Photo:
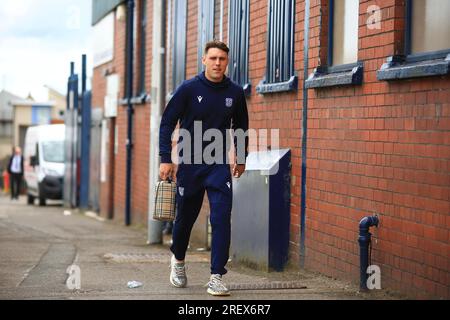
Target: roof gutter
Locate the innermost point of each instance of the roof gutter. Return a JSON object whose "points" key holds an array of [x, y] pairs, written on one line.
{"points": [[101, 8]]}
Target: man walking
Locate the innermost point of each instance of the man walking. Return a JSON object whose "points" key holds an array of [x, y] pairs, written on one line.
{"points": [[210, 101], [15, 169]]}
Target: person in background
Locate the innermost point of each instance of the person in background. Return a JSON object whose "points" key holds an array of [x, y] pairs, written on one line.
{"points": [[15, 170]]}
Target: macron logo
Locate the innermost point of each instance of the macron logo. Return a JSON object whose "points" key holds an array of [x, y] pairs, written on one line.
{"points": [[200, 98]]}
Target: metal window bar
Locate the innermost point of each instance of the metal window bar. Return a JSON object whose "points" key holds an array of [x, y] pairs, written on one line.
{"points": [[330, 32], [247, 36], [269, 44], [179, 39], [291, 39], [276, 36], [280, 43], [238, 39]]}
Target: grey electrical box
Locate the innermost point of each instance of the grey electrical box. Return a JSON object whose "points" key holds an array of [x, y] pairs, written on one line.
{"points": [[261, 211]]}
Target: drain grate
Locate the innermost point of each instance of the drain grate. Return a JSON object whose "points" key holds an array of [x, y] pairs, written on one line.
{"points": [[153, 257], [275, 285], [165, 258]]}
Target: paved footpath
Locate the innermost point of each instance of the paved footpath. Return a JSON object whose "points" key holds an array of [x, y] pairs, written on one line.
{"points": [[39, 244]]}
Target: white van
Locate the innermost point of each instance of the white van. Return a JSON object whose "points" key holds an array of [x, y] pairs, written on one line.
{"points": [[44, 162]]}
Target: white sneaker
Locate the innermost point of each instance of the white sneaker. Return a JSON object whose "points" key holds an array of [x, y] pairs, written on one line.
{"points": [[177, 273], [216, 286]]}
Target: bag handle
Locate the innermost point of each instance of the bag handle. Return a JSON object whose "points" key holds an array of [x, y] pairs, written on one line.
{"points": [[169, 179], [156, 196]]}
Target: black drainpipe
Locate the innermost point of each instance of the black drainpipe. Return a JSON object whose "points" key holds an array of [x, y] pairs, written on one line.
{"points": [[129, 71], [304, 135], [364, 242]]}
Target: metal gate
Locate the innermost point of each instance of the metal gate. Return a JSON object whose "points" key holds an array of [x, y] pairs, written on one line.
{"points": [[77, 140], [71, 142], [95, 159]]}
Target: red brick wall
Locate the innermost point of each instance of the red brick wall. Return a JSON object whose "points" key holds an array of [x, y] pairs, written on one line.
{"points": [[141, 137], [278, 110], [381, 147], [224, 20], [121, 124], [191, 45], [141, 134], [217, 19], [98, 94]]}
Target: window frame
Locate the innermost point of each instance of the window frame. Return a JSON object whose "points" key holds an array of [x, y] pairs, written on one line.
{"points": [[414, 65], [290, 80], [135, 97], [239, 42], [335, 75], [338, 67], [421, 56]]}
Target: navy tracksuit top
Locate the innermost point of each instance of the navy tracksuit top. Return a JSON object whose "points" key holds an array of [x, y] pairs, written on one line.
{"points": [[220, 106]]}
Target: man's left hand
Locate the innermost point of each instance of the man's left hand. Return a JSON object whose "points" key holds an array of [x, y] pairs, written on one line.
{"points": [[238, 170]]}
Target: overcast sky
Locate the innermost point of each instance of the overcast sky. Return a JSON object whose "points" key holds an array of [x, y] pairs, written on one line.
{"points": [[38, 40]]}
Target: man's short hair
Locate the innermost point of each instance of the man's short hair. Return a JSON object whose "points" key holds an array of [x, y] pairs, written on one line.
{"points": [[216, 44]]}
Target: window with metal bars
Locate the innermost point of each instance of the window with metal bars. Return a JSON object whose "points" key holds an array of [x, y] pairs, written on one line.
{"points": [[238, 35], [179, 43], [280, 75], [205, 27]]}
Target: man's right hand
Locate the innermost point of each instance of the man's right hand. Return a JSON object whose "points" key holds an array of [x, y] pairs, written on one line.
{"points": [[166, 171]]}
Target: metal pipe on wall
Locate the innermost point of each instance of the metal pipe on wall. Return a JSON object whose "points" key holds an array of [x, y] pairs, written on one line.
{"points": [[364, 241], [304, 135], [130, 110], [85, 138]]}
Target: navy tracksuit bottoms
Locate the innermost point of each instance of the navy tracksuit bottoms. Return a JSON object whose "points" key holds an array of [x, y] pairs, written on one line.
{"points": [[192, 182]]}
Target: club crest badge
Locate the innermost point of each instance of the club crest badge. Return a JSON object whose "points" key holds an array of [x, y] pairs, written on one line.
{"points": [[181, 191], [229, 102]]}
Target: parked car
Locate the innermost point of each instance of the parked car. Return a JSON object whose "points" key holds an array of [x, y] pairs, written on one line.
{"points": [[44, 162]]}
